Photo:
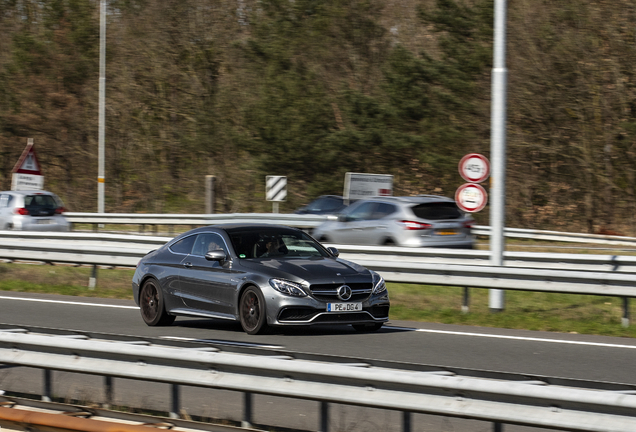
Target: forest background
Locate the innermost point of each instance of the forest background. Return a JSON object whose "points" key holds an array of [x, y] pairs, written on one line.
{"points": [[312, 89]]}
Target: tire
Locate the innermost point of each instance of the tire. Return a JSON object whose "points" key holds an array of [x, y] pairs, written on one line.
{"points": [[367, 327], [252, 311], [389, 242], [324, 239], [151, 305]]}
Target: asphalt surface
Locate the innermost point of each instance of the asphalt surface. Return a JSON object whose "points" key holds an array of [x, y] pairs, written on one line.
{"points": [[595, 358]]}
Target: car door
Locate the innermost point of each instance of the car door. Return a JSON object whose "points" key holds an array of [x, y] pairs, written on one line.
{"points": [[5, 211], [375, 230], [352, 224], [207, 285]]}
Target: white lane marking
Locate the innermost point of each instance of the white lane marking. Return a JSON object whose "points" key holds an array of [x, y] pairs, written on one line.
{"points": [[69, 302], [521, 338]]}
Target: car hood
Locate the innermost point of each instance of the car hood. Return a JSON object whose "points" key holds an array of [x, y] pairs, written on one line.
{"points": [[309, 269]]}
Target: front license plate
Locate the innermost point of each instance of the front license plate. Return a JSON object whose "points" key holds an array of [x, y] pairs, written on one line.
{"points": [[446, 232], [344, 307], [45, 221]]}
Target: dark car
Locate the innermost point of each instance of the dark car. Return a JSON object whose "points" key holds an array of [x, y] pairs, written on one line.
{"points": [[326, 204], [260, 275]]}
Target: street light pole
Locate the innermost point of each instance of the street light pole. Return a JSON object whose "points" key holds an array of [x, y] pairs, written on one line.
{"points": [[498, 150], [102, 105]]}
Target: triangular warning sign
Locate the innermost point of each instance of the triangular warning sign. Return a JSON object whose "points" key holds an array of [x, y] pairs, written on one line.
{"points": [[28, 162]]}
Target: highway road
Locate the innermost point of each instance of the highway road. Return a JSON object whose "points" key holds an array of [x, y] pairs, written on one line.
{"points": [[573, 356]]}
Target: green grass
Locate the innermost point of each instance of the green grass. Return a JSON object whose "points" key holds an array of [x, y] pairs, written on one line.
{"points": [[566, 313]]}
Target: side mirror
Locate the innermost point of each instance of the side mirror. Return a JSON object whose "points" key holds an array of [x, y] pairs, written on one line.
{"points": [[343, 218], [216, 255], [333, 251]]}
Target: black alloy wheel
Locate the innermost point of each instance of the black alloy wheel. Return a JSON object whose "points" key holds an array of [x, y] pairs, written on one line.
{"points": [[252, 311], [152, 307]]}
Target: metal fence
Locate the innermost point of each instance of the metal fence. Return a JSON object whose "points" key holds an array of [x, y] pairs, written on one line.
{"points": [[154, 221], [528, 403], [564, 273]]}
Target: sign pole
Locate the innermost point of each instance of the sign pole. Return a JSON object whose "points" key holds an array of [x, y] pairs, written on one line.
{"points": [[498, 150], [102, 105]]}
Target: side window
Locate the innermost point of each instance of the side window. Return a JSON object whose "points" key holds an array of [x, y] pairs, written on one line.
{"points": [[183, 246], [4, 200], [382, 210], [207, 242], [363, 212]]}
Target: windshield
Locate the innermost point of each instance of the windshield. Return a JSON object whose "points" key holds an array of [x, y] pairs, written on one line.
{"points": [[274, 243]]}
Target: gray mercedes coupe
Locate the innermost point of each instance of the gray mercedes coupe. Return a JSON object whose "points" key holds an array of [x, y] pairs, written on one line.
{"points": [[261, 275]]}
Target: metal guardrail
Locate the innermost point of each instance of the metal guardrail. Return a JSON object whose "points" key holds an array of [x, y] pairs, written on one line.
{"points": [[531, 403], [312, 221], [564, 273]]}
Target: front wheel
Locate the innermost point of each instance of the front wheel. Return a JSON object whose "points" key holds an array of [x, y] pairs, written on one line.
{"points": [[252, 311], [151, 304], [367, 327]]}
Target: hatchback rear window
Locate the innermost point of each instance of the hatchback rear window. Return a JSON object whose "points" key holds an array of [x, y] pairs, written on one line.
{"points": [[437, 211], [40, 201]]}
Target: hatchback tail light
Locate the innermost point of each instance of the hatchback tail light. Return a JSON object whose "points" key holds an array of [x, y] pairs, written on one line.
{"points": [[469, 224], [60, 210], [412, 225], [21, 211]]}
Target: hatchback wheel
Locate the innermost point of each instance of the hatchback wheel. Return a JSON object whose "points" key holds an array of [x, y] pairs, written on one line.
{"points": [[151, 303], [252, 311]]}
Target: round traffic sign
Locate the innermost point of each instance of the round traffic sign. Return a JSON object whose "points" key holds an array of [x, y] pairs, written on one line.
{"points": [[474, 168], [471, 197]]}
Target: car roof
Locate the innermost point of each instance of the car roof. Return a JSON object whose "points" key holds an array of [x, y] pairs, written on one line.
{"points": [[418, 199], [28, 192], [237, 227]]}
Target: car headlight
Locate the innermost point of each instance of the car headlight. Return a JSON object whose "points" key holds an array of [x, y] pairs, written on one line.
{"points": [[288, 287], [379, 286]]}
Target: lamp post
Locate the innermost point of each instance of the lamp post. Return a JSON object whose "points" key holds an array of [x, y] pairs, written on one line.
{"points": [[498, 150]]}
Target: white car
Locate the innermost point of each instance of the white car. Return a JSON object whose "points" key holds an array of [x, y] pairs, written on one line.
{"points": [[32, 211]]}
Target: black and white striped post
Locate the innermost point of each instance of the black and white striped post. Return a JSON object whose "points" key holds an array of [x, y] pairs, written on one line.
{"points": [[275, 190]]}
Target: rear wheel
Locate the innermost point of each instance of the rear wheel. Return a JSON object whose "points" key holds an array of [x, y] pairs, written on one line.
{"points": [[389, 242], [152, 306], [367, 327], [252, 311]]}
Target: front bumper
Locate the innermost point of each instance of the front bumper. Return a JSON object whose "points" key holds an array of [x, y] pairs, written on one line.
{"points": [[309, 311]]}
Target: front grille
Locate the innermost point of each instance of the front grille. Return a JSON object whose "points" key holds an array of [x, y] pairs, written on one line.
{"points": [[329, 292]]}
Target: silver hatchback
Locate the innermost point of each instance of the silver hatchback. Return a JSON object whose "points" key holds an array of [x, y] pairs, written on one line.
{"points": [[420, 221], [32, 211]]}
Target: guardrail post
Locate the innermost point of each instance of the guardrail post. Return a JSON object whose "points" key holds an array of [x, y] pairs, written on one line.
{"points": [[246, 423], [406, 421], [324, 417], [108, 392], [142, 228], [497, 427], [176, 404], [466, 300], [92, 280], [625, 320], [48, 386]]}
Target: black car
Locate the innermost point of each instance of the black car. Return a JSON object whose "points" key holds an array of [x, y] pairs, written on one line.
{"points": [[260, 275], [326, 204]]}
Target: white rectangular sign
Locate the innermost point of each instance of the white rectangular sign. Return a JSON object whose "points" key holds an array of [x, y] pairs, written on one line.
{"points": [[27, 182], [275, 188], [358, 186]]}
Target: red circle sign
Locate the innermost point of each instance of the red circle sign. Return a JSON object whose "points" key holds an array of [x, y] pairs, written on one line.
{"points": [[471, 197], [474, 168]]}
